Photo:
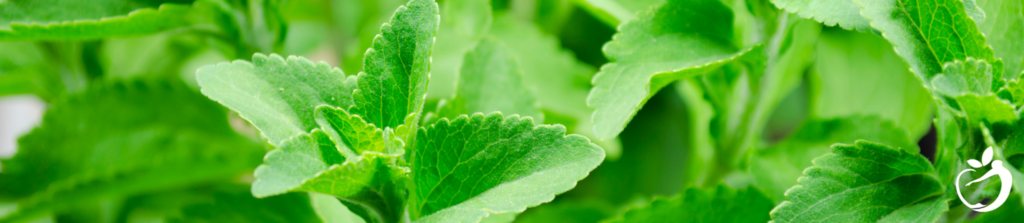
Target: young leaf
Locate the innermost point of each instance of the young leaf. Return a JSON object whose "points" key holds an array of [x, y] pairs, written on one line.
{"points": [[929, 33], [369, 184], [844, 13], [777, 168], [1003, 29], [277, 95], [490, 81], [114, 140], [474, 166], [841, 83], [78, 20], [720, 204], [393, 86], [661, 46], [865, 182], [560, 82]]}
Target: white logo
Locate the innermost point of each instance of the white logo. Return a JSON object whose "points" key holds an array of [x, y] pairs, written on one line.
{"points": [[997, 170]]}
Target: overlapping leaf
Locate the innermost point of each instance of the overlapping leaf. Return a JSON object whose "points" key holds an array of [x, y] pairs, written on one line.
{"points": [[777, 168], [1003, 29], [662, 45], [721, 204], [929, 33], [490, 81], [474, 166], [76, 20], [844, 13], [843, 84], [115, 140], [277, 95], [393, 86], [615, 12], [865, 182]]}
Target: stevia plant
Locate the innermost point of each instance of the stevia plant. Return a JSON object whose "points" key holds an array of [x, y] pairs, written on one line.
{"points": [[515, 110]]}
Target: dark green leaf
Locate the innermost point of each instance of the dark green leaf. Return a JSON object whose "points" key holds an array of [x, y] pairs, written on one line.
{"points": [[115, 140]]}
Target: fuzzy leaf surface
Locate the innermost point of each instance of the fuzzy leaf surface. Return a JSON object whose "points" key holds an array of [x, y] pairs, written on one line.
{"points": [[475, 166], [864, 182]]}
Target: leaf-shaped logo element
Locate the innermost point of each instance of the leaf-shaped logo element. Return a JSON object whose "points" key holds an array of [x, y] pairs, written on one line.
{"points": [[974, 163], [986, 157]]}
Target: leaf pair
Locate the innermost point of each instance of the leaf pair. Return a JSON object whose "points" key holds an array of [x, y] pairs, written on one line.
{"points": [[357, 137]]}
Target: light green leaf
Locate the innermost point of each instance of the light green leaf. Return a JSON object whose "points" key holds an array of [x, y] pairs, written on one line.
{"points": [[331, 210], [864, 182], [844, 13], [661, 46], [353, 134], [25, 70], [961, 77], [777, 168], [928, 33], [393, 86], [369, 184], [988, 108], [114, 140], [560, 82], [615, 12], [1003, 29], [1014, 90], [277, 95], [77, 20], [720, 204], [372, 186], [842, 84], [470, 18], [490, 81], [463, 23], [475, 166]]}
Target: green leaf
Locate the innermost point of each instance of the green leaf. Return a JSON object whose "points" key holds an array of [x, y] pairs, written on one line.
{"points": [[988, 108], [615, 12], [844, 13], [277, 95], [928, 33], [962, 77], [115, 140], [865, 182], [1003, 29], [331, 210], [777, 168], [661, 46], [842, 84], [490, 81], [560, 82], [237, 205], [720, 204], [78, 20], [370, 184], [393, 86], [474, 166], [25, 70], [463, 23]]}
